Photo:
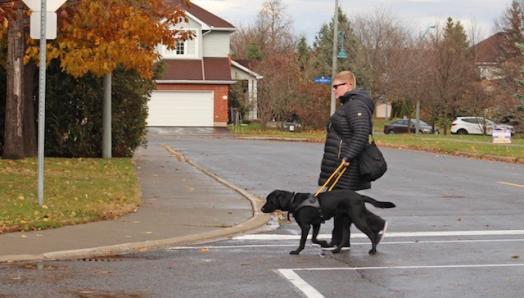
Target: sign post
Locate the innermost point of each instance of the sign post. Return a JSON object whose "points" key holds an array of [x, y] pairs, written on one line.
{"points": [[42, 9]]}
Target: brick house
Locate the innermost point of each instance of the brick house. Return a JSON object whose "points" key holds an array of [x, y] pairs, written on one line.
{"points": [[194, 86]]}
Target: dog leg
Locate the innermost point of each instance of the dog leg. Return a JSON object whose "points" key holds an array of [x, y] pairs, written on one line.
{"points": [[305, 231], [322, 243], [364, 228]]}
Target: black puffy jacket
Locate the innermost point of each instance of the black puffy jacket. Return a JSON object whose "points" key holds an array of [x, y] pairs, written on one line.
{"points": [[347, 135]]}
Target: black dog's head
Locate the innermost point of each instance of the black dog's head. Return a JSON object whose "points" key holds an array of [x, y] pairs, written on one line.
{"points": [[277, 200]]}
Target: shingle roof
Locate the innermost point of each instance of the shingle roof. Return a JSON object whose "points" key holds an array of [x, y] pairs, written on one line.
{"points": [[204, 15], [490, 49], [208, 69]]}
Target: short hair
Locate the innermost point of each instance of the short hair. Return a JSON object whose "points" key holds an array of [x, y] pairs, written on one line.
{"points": [[346, 76]]}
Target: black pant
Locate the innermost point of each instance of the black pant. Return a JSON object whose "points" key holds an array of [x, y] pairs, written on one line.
{"points": [[340, 222]]}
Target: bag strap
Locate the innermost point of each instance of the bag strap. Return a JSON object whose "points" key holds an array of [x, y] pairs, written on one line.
{"points": [[371, 125]]}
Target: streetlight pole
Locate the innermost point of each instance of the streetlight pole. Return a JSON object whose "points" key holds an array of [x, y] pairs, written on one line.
{"points": [[334, 58]]}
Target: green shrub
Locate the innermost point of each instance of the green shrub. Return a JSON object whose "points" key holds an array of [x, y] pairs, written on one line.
{"points": [[74, 113]]}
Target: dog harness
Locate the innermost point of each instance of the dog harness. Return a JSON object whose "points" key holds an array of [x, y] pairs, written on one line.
{"points": [[311, 201]]}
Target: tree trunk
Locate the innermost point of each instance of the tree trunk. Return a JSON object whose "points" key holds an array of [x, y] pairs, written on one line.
{"points": [[13, 136], [29, 123]]}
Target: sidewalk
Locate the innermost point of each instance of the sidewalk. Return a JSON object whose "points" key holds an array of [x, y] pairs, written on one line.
{"points": [[180, 205]]}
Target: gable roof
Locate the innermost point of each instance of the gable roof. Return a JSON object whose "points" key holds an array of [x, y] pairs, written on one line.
{"points": [[489, 51], [204, 16]]}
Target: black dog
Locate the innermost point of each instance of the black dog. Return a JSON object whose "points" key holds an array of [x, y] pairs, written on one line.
{"points": [[310, 211]]}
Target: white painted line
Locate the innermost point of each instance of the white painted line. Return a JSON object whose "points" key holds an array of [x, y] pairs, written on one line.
{"points": [[408, 267], [299, 283], [390, 235], [353, 243], [510, 184], [311, 292]]}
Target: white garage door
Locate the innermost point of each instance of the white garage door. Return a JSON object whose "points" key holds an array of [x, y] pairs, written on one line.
{"points": [[180, 108]]}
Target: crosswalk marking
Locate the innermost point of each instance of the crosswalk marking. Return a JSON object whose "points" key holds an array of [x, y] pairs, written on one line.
{"points": [[389, 234], [510, 184]]}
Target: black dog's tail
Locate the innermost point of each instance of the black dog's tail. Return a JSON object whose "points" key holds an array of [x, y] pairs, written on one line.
{"points": [[378, 204]]}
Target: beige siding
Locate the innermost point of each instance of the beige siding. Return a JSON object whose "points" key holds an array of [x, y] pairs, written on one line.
{"points": [[216, 44]]}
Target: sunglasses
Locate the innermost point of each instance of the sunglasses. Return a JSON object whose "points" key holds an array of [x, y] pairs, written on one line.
{"points": [[338, 85]]}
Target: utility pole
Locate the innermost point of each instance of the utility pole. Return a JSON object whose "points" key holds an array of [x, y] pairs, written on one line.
{"points": [[334, 58]]}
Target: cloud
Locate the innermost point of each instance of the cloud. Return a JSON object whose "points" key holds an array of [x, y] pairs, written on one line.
{"points": [[309, 15]]}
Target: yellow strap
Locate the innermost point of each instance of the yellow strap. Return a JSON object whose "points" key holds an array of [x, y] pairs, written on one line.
{"points": [[338, 178], [341, 169]]}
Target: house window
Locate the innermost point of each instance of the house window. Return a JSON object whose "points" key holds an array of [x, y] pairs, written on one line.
{"points": [[180, 47], [183, 49]]}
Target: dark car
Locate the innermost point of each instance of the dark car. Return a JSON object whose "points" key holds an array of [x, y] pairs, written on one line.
{"points": [[401, 126]]}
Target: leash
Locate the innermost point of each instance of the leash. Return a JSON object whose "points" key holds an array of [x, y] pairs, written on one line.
{"points": [[338, 173]]}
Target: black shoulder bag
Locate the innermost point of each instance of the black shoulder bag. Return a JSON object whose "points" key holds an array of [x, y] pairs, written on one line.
{"points": [[371, 161]]}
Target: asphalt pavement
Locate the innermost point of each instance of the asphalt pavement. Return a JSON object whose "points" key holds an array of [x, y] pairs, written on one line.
{"points": [[182, 203]]}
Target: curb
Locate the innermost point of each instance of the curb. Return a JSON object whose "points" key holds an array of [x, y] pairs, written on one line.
{"points": [[257, 220]]}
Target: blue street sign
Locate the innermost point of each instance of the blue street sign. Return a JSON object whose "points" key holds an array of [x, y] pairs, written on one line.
{"points": [[323, 80]]}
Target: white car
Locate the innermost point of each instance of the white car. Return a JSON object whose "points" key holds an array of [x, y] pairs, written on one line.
{"points": [[477, 125]]}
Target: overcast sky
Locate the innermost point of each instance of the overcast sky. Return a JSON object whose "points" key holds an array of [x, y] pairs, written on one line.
{"points": [[417, 15]]}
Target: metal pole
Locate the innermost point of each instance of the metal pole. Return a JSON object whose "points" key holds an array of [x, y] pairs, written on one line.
{"points": [[106, 146], [41, 102], [417, 112], [334, 58]]}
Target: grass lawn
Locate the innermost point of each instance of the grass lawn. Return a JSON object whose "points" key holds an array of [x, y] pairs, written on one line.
{"points": [[470, 145], [76, 191], [474, 146]]}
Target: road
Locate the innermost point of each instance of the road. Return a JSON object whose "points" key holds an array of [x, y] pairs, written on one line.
{"points": [[458, 230]]}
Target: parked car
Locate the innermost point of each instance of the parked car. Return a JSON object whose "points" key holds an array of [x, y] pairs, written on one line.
{"points": [[401, 126], [477, 125]]}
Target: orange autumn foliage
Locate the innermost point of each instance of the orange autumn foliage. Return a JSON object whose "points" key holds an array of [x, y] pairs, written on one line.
{"points": [[97, 35]]}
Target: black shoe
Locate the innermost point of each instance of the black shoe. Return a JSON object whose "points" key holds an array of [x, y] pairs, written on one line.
{"points": [[334, 246]]}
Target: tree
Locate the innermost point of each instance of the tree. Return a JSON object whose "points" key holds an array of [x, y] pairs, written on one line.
{"points": [[508, 87], [270, 42], [454, 72], [303, 53], [323, 47], [97, 36], [384, 47], [13, 12]]}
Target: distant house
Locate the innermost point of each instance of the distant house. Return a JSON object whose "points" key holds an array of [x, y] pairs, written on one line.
{"points": [[193, 89], [488, 54]]}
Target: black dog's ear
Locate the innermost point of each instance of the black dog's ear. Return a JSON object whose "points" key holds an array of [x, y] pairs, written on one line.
{"points": [[273, 193]]}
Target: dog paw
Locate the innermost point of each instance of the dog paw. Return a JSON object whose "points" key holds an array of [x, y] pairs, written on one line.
{"points": [[337, 250], [372, 251], [294, 252]]}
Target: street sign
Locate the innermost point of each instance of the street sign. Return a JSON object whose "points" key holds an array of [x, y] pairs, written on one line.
{"points": [[322, 80], [501, 136], [50, 28], [50, 18], [51, 5]]}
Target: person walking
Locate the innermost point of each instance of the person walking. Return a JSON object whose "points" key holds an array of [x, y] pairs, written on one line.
{"points": [[348, 133]]}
